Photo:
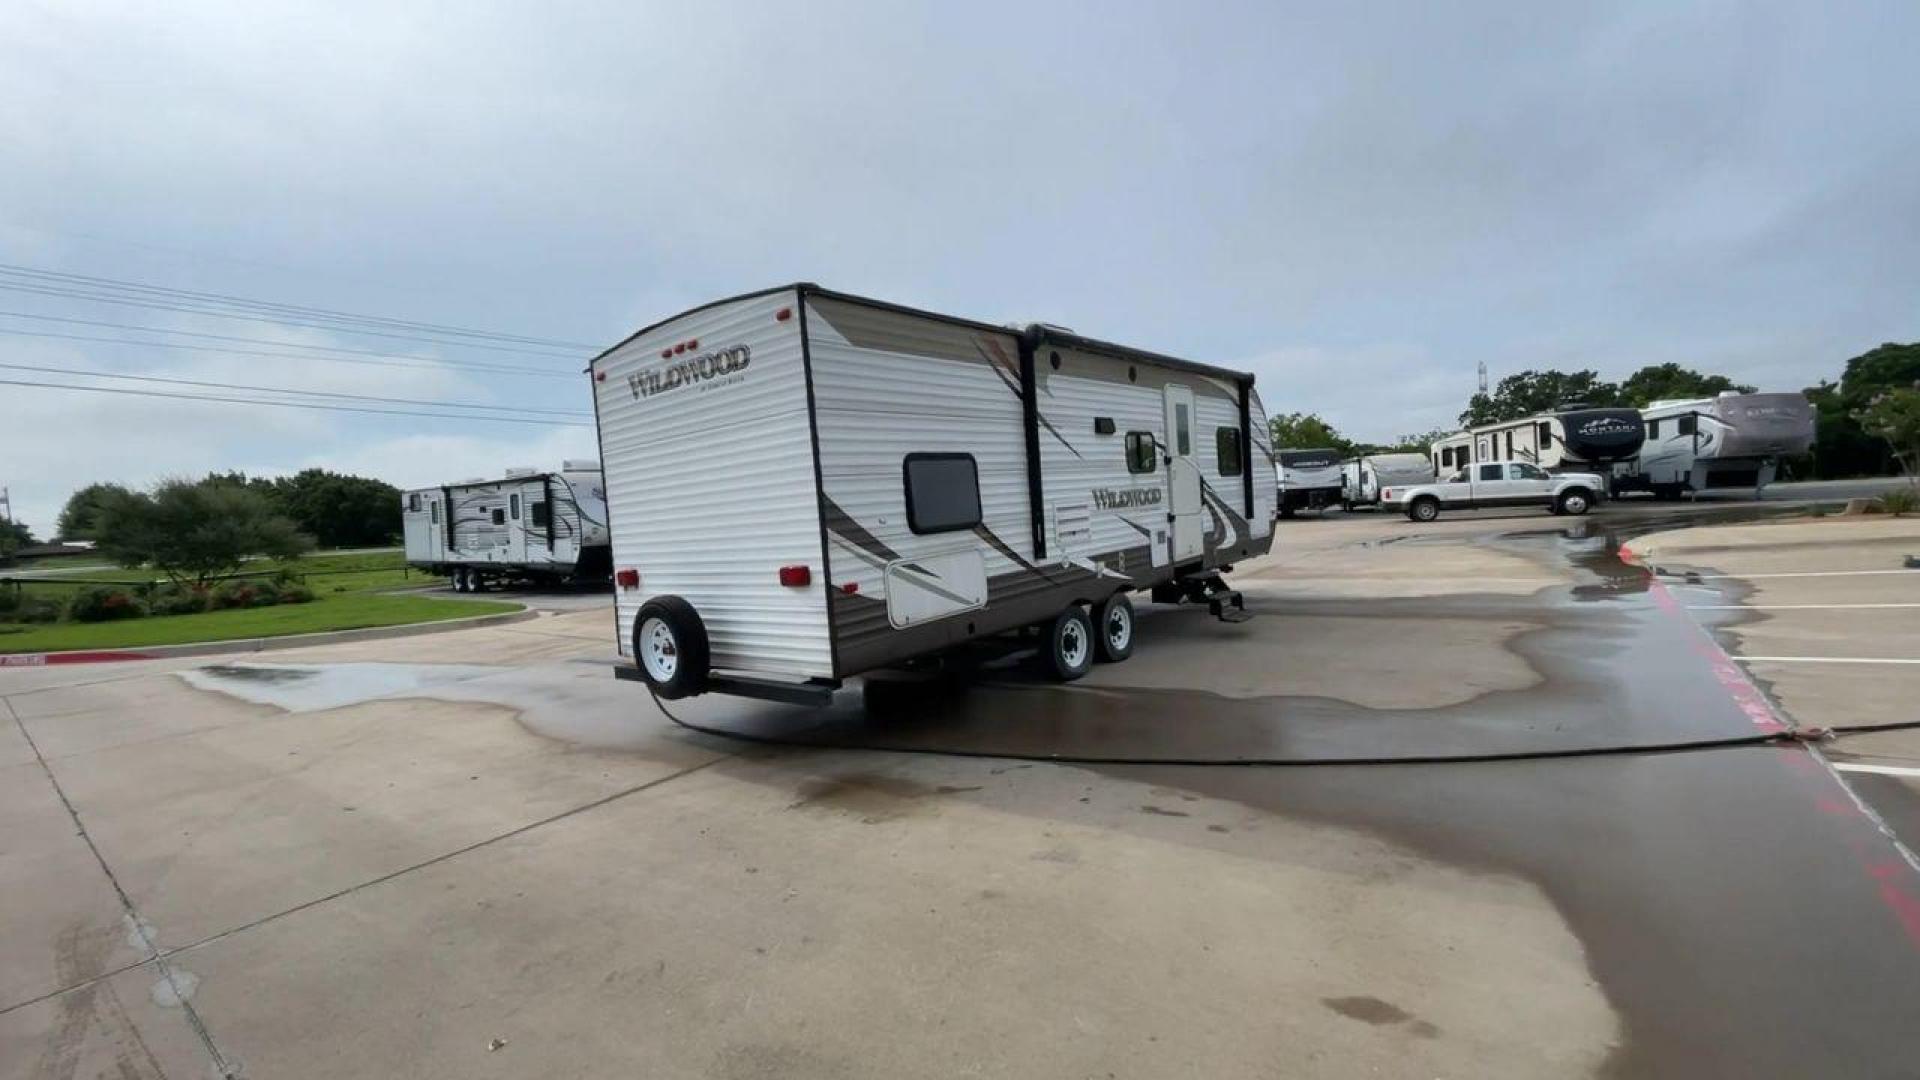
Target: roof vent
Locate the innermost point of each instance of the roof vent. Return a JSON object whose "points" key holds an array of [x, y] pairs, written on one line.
{"points": [[580, 465], [521, 472]]}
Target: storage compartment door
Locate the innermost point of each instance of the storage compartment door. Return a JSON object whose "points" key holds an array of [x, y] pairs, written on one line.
{"points": [[935, 586]]}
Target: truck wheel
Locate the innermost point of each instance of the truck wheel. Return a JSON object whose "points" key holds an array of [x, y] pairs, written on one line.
{"points": [[1424, 509], [1574, 502], [1067, 651], [1114, 642], [670, 646]]}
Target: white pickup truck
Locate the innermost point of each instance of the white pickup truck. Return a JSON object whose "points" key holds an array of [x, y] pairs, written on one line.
{"points": [[1497, 483]]}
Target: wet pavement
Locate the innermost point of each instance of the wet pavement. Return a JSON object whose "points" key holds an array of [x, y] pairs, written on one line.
{"points": [[805, 909]]}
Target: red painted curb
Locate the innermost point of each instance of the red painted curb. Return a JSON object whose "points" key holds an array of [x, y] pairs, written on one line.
{"points": [[79, 657]]}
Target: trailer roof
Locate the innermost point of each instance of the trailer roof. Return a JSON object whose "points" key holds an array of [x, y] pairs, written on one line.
{"points": [[1037, 333]]}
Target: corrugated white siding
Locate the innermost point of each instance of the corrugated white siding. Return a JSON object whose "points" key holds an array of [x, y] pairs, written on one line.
{"points": [[933, 389], [1266, 479], [1076, 463], [710, 486]]}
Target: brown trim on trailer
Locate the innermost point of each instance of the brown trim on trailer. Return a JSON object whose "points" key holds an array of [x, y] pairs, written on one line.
{"points": [[820, 499]]}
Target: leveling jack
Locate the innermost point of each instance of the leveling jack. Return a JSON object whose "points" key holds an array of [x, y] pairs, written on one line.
{"points": [[1209, 588]]}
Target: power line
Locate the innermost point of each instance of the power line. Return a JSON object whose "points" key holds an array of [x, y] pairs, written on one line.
{"points": [[491, 369], [128, 302], [226, 299], [288, 404], [288, 390]]}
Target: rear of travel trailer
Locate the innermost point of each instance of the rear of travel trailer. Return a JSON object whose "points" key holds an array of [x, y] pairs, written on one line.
{"points": [[1731, 441], [1308, 479], [1362, 478], [528, 525], [804, 486]]}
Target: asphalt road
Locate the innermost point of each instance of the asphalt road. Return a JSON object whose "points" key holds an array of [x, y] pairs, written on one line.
{"points": [[476, 854]]}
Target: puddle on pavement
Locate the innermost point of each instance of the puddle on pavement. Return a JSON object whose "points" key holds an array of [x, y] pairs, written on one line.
{"points": [[317, 687]]}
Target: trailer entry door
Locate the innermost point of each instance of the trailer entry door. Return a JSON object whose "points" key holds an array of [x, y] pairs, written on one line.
{"points": [[1183, 476]]}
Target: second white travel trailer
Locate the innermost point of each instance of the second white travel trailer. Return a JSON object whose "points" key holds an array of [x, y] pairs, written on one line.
{"points": [[805, 486], [1362, 478], [1308, 479], [1570, 440], [527, 525], [1734, 440]]}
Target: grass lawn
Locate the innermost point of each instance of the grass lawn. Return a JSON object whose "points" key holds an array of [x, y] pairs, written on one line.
{"points": [[332, 611], [327, 575]]}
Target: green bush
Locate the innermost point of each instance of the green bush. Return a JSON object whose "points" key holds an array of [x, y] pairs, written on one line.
{"points": [[296, 593], [104, 603], [1901, 501], [24, 607], [181, 600], [249, 593]]}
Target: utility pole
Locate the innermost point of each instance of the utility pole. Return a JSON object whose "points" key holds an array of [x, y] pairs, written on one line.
{"points": [[6, 506]]}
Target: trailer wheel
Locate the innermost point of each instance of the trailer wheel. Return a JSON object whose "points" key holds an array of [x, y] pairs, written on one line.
{"points": [[1425, 508], [460, 583], [1114, 641], [1068, 650], [1575, 502], [670, 645]]}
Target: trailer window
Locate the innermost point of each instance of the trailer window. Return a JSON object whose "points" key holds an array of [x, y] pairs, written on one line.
{"points": [[1182, 431], [1226, 442], [413, 502], [499, 516], [1653, 429], [1142, 457], [1545, 433], [513, 507], [1689, 424], [435, 507], [538, 512], [943, 492]]}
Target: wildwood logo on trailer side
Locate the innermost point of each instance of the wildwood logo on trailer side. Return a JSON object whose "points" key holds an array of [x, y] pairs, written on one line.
{"points": [[1124, 498], [701, 369]]}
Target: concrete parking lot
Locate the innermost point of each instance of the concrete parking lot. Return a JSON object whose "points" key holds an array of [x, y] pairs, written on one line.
{"points": [[476, 854]]}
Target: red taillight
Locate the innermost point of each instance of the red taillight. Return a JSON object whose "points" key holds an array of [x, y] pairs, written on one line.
{"points": [[783, 314], [693, 343], [627, 578], [599, 376], [666, 353], [850, 588], [1387, 493], [796, 577]]}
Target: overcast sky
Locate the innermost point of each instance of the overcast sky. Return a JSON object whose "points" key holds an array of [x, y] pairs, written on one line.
{"points": [[1357, 202]]}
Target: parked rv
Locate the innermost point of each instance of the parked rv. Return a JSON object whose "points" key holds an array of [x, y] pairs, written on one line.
{"points": [[528, 525], [805, 486], [1571, 440], [1308, 480], [1362, 478], [1495, 484], [1734, 440]]}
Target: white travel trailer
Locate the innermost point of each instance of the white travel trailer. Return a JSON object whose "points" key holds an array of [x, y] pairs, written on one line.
{"points": [[1571, 440], [1734, 440], [1362, 478], [528, 525], [805, 485], [1308, 479]]}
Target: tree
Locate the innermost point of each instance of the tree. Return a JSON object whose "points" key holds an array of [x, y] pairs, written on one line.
{"points": [[1894, 415], [1664, 382], [1842, 446], [1417, 444], [80, 518], [1305, 431], [1888, 367], [13, 537], [195, 531], [339, 510], [1532, 392]]}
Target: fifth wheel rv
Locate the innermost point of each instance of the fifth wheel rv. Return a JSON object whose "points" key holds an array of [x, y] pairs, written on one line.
{"points": [[1571, 440], [529, 525], [1734, 440], [805, 485]]}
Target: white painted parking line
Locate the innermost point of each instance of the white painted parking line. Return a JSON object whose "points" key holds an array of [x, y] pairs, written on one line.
{"points": [[1884, 770], [1792, 607], [1793, 573], [1824, 660]]}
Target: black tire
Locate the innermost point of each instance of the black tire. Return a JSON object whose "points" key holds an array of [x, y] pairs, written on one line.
{"points": [[1113, 641], [1574, 501], [460, 583], [1424, 508], [1286, 511], [1066, 648], [676, 665]]}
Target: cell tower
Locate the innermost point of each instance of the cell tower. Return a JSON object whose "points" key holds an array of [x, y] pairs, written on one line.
{"points": [[1483, 376], [6, 505]]}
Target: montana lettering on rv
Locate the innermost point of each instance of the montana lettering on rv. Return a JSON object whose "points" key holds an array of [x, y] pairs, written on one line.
{"points": [[700, 369]]}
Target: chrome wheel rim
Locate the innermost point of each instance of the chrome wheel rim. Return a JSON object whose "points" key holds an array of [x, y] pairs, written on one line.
{"points": [[1073, 643], [1119, 627], [659, 652], [1576, 504]]}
